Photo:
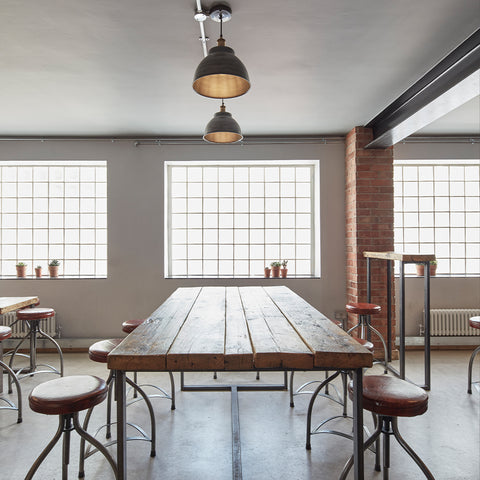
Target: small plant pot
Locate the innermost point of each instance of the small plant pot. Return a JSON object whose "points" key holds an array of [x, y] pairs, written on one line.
{"points": [[53, 271], [267, 273], [283, 272], [38, 272], [276, 272], [421, 270], [21, 271]]}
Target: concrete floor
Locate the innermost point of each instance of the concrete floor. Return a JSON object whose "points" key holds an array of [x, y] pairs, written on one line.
{"points": [[194, 441]]}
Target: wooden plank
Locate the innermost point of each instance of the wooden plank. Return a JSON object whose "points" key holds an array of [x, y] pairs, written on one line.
{"points": [[10, 304], [275, 343], [333, 348], [200, 344], [238, 349], [404, 257], [147, 346]]}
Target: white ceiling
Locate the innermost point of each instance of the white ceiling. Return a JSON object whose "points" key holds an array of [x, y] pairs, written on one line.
{"points": [[125, 67]]}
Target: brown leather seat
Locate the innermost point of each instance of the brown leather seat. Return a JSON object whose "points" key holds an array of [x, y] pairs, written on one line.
{"points": [[363, 308], [475, 322], [5, 332], [391, 396], [68, 395], [35, 313], [130, 325], [98, 352]]}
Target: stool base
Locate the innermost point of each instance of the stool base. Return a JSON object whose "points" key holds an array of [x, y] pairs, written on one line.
{"points": [[67, 423], [470, 368]]}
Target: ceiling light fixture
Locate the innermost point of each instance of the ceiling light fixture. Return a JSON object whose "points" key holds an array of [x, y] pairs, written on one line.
{"points": [[221, 74], [222, 128]]}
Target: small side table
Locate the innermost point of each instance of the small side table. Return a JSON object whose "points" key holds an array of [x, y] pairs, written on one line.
{"points": [[403, 258]]}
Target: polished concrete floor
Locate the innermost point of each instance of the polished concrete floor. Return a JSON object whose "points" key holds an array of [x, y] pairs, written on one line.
{"points": [[194, 441]]}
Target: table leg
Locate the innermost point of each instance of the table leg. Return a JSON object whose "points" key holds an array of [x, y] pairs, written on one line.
{"points": [[120, 397], [427, 325], [358, 423]]}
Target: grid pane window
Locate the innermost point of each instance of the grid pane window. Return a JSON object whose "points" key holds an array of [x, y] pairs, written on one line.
{"points": [[225, 220], [54, 210], [437, 210]]}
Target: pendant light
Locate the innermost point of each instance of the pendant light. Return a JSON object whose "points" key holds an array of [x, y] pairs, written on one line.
{"points": [[222, 128], [221, 74]]}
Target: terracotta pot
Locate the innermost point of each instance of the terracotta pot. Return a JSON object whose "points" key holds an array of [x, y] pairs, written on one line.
{"points": [[283, 272], [38, 272], [276, 272], [21, 271], [421, 270], [53, 271], [267, 273]]}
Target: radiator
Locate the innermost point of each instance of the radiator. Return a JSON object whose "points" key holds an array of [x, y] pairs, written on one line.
{"points": [[449, 322], [49, 325]]}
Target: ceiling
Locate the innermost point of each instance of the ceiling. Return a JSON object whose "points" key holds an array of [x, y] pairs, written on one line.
{"points": [[125, 68]]}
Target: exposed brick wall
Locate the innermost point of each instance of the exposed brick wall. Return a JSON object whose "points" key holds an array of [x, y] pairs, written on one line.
{"points": [[369, 223]]}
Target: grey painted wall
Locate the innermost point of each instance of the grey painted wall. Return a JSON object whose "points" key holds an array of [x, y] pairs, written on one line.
{"points": [[136, 285], [95, 308]]}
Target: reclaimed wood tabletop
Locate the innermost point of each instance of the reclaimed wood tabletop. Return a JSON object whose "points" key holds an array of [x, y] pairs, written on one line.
{"points": [[10, 304]]}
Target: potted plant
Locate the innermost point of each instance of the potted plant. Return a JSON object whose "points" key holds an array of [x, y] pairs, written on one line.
{"points": [[284, 270], [267, 272], [275, 269], [38, 271], [21, 270], [421, 268], [53, 268]]}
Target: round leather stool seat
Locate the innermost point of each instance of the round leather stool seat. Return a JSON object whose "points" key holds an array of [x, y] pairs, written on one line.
{"points": [[363, 308], [130, 325], [98, 352], [392, 397], [475, 322], [35, 313], [67, 395], [365, 343], [5, 332]]}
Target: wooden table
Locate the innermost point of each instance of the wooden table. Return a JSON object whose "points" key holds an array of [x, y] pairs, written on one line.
{"points": [[10, 304], [404, 258], [237, 329]]}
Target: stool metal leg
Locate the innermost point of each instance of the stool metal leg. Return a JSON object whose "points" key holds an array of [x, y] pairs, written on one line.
{"points": [[410, 451], [12, 377], [470, 368], [57, 346], [47, 449]]}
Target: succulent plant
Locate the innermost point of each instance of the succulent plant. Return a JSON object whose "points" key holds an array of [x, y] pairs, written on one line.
{"points": [[54, 263]]}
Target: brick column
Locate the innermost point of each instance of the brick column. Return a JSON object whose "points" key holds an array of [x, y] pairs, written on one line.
{"points": [[369, 223]]}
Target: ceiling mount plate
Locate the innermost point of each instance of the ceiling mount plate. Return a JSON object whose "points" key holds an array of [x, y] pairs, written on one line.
{"points": [[224, 10]]}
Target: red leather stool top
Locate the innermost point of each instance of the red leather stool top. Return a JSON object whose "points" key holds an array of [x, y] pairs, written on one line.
{"points": [[99, 351], [363, 308], [368, 345], [35, 313], [392, 396], [475, 322], [5, 332], [130, 325], [68, 394]]}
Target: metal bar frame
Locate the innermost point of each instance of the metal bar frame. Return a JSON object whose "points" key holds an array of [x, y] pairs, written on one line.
{"points": [[120, 396]]}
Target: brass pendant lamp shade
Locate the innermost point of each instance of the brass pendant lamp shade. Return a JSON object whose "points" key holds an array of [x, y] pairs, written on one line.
{"points": [[222, 128], [221, 74]]}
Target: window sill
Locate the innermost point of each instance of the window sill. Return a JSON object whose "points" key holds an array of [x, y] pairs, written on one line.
{"points": [[60, 277]]}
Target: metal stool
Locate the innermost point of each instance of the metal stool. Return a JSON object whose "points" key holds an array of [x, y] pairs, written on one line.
{"points": [[128, 327], [474, 323], [33, 317], [364, 310], [6, 332], [340, 400], [66, 397], [390, 397], [98, 352]]}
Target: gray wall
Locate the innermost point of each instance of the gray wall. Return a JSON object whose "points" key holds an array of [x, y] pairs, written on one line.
{"points": [[445, 292], [95, 308]]}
